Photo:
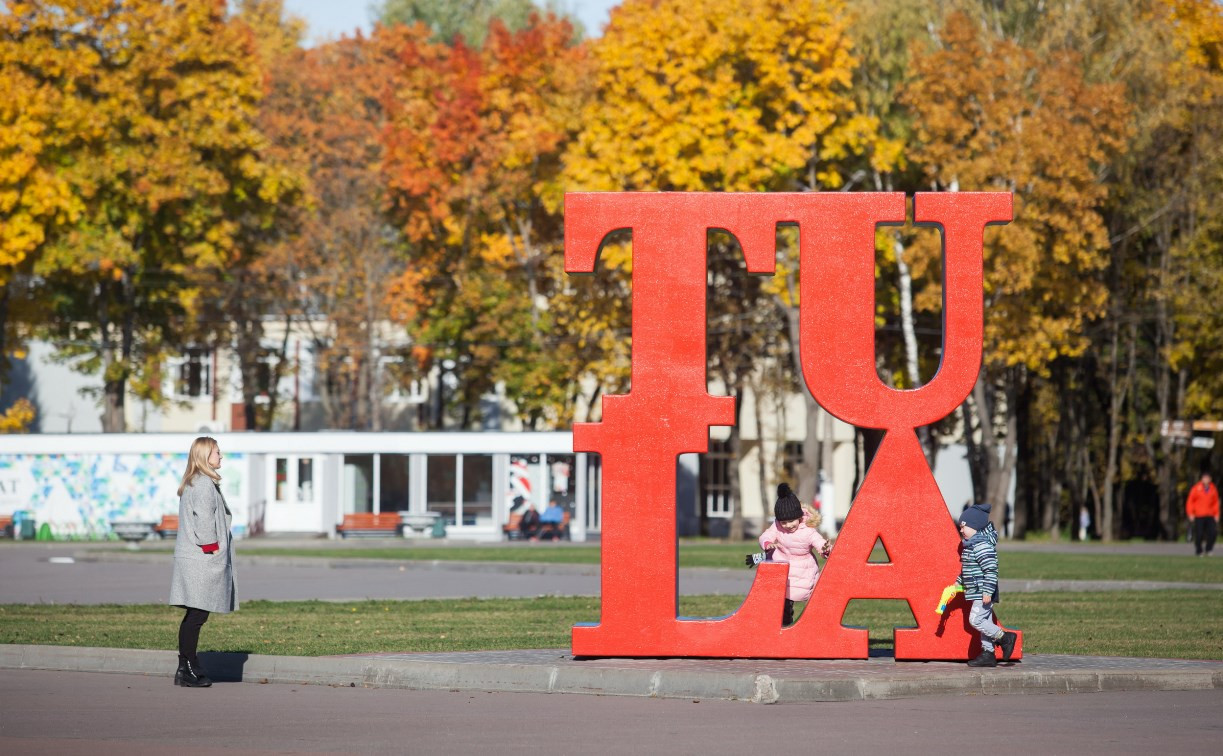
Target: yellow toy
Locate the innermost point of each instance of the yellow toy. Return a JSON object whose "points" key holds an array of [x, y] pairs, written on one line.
{"points": [[948, 593]]}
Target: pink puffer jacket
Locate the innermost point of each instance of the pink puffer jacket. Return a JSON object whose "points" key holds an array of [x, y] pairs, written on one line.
{"points": [[796, 548]]}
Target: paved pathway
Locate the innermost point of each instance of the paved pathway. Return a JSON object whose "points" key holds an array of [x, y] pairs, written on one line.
{"points": [[138, 715]]}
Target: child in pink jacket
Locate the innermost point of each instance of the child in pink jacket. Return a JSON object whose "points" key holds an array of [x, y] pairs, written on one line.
{"points": [[790, 539]]}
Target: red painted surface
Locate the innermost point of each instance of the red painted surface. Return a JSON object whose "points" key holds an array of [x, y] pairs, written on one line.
{"points": [[668, 412]]}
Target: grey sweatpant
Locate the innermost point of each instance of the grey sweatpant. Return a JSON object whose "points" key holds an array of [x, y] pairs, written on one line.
{"points": [[981, 617]]}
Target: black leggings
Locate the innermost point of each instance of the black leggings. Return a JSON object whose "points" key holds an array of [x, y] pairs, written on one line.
{"points": [[189, 633]]}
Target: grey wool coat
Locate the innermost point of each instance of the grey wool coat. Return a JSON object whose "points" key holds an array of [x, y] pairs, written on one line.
{"points": [[203, 581]]}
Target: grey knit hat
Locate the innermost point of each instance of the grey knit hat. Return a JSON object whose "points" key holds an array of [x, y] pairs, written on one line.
{"points": [[976, 516], [787, 507]]}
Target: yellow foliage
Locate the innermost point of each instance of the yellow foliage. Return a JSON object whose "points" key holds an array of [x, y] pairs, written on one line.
{"points": [[700, 95], [17, 418], [994, 116]]}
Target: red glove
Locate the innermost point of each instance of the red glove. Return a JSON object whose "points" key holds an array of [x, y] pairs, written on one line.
{"points": [[210, 548]]}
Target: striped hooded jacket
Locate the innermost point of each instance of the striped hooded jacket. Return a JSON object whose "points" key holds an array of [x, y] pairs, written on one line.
{"points": [[979, 565]]}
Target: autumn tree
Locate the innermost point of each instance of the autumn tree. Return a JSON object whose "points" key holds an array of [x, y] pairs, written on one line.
{"points": [[1165, 222], [754, 95], [258, 285], [474, 146], [991, 114], [468, 20], [160, 160]]}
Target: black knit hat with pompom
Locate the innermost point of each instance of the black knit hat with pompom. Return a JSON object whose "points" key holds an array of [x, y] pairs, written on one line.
{"points": [[787, 507]]}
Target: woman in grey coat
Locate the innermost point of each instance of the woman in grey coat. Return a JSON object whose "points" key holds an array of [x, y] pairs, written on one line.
{"points": [[203, 580]]}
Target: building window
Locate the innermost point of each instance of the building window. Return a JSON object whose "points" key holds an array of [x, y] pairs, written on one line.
{"points": [[715, 480], [440, 486], [792, 460], [477, 488], [192, 374]]}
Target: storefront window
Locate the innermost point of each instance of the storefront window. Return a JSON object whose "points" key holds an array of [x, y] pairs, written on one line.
{"points": [[440, 489], [305, 479], [393, 493], [477, 489], [358, 495]]}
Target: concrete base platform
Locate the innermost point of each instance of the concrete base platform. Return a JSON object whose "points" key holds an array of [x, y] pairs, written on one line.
{"points": [[555, 671]]}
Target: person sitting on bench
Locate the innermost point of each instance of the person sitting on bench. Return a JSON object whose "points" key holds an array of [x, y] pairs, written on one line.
{"points": [[528, 526], [551, 521]]}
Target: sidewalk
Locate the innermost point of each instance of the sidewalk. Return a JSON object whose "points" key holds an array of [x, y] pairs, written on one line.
{"points": [[555, 671]]}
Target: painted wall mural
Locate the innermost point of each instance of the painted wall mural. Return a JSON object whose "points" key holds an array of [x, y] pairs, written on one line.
{"points": [[79, 495]]}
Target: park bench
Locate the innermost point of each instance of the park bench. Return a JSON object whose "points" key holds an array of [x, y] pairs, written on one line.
{"points": [[366, 524], [168, 527]]}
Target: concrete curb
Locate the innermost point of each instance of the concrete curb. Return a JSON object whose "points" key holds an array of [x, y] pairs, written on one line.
{"points": [[693, 679]]}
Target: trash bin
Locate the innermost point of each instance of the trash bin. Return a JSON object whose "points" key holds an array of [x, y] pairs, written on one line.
{"points": [[439, 528], [23, 525]]}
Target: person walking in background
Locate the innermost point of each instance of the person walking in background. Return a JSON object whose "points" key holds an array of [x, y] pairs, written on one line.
{"points": [[979, 576], [1084, 523], [790, 539], [1202, 511], [203, 579]]}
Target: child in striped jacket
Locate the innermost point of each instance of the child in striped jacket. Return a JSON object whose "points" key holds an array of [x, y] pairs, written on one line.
{"points": [[979, 576]]}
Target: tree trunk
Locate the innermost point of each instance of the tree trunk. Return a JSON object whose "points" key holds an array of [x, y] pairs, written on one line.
{"points": [[905, 284], [115, 368], [1027, 485], [1002, 474], [809, 469], [1118, 389], [4, 298], [732, 472]]}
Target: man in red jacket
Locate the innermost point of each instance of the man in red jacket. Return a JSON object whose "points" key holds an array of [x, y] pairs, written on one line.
{"points": [[1202, 509]]}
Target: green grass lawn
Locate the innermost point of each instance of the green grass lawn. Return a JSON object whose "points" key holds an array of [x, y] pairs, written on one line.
{"points": [[1029, 565], [1177, 624]]}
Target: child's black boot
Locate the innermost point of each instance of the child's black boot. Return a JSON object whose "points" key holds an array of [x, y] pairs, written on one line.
{"points": [[787, 614], [1007, 642], [984, 659]]}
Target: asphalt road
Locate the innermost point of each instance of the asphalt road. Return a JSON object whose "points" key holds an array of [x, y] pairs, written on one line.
{"points": [[94, 713], [38, 574]]}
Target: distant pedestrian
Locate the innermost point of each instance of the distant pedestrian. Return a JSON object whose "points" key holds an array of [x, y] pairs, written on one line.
{"points": [[1202, 511], [203, 579], [1084, 523], [793, 540], [979, 576]]}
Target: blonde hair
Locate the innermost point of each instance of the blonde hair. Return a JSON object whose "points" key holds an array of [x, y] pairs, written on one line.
{"points": [[814, 518], [197, 461]]}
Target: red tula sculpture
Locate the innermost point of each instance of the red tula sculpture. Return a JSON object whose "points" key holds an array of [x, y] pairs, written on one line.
{"points": [[668, 412]]}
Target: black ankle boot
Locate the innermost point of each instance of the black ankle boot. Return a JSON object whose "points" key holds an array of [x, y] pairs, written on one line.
{"points": [[182, 669], [984, 659], [193, 676]]}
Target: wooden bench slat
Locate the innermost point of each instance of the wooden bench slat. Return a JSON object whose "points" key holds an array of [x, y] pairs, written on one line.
{"points": [[370, 523]]}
